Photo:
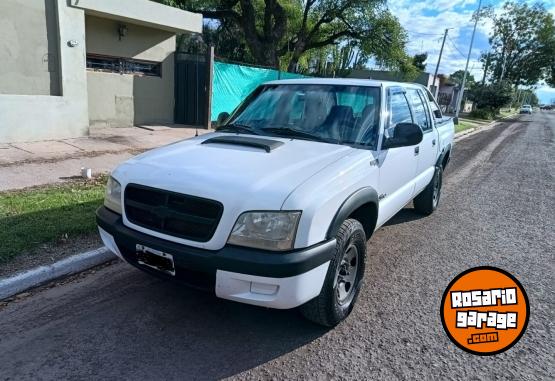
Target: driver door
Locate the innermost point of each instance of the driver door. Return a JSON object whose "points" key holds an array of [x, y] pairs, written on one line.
{"points": [[397, 165]]}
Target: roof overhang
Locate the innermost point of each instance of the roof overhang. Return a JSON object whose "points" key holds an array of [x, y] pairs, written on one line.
{"points": [[143, 12]]}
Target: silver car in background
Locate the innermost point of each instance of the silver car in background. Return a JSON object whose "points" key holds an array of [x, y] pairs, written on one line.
{"points": [[526, 109]]}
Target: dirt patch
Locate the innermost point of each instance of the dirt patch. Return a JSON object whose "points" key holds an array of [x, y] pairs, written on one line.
{"points": [[114, 139], [78, 155], [56, 283], [49, 253]]}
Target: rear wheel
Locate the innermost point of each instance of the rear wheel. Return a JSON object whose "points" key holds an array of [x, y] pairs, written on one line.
{"points": [[343, 279], [428, 200]]}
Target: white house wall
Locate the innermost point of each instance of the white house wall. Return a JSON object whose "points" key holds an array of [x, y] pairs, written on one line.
{"points": [[29, 48], [56, 105], [121, 100], [41, 117], [143, 12]]}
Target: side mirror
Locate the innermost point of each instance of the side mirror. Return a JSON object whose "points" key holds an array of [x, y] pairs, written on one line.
{"points": [[222, 117], [403, 135], [437, 114]]}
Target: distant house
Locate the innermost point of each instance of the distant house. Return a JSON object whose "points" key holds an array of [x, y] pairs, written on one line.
{"points": [[447, 99], [425, 79], [71, 64]]}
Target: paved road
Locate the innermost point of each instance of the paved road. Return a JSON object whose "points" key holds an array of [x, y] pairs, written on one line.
{"points": [[497, 209]]}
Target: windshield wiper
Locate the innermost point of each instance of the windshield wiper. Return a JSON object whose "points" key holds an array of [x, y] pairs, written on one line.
{"points": [[237, 128], [291, 132]]}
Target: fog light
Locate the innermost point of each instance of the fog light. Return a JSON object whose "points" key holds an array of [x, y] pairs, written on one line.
{"points": [[264, 288]]}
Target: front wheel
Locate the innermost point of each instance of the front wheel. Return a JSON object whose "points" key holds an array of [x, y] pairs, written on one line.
{"points": [[343, 279], [428, 200]]}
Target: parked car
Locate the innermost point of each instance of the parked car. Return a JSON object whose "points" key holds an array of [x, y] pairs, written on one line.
{"points": [[526, 109], [275, 207]]}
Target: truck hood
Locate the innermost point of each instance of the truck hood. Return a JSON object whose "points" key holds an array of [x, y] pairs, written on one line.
{"points": [[241, 177]]}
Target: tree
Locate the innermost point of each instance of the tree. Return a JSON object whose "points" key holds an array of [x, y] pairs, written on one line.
{"points": [[491, 97], [287, 29], [522, 44], [550, 77], [419, 61], [528, 97], [443, 79], [228, 41], [333, 60], [457, 78], [259, 33]]}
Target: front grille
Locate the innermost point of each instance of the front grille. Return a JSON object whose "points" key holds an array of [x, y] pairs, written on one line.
{"points": [[179, 215]]}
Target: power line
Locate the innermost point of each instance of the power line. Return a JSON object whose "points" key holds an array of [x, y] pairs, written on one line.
{"points": [[455, 46], [416, 45], [424, 34]]}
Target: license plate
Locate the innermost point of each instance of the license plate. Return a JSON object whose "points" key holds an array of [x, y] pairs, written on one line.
{"points": [[155, 259]]}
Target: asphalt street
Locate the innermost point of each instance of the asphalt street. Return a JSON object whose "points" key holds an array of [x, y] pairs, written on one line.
{"points": [[497, 209]]}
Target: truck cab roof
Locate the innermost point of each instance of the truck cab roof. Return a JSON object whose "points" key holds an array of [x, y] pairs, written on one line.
{"points": [[343, 81]]}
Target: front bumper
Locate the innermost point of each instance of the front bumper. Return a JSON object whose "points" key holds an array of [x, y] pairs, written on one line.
{"points": [[253, 276]]}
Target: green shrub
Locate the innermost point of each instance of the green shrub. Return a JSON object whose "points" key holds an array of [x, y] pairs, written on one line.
{"points": [[491, 97], [482, 113]]}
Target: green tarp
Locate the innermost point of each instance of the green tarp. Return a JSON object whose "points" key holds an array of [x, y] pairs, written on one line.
{"points": [[232, 83]]}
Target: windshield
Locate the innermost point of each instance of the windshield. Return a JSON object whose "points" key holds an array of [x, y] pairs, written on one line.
{"points": [[330, 113]]}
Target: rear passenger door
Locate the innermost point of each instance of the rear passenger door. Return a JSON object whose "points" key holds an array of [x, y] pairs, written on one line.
{"points": [[427, 149], [397, 165]]}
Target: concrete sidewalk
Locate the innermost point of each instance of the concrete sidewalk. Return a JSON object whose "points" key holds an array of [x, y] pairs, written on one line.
{"points": [[37, 163]]}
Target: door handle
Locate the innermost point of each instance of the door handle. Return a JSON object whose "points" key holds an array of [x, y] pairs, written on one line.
{"points": [[416, 150], [433, 143]]}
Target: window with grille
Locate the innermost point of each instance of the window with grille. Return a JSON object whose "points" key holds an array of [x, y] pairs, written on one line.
{"points": [[109, 64]]}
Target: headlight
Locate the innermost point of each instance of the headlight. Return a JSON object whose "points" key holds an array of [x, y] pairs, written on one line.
{"points": [[112, 198], [265, 230]]}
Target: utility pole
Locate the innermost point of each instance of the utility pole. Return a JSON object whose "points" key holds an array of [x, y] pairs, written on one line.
{"points": [[461, 92], [439, 61]]}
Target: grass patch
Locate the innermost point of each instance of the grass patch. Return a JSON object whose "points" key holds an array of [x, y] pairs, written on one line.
{"points": [[53, 213], [465, 124], [506, 112], [469, 122]]}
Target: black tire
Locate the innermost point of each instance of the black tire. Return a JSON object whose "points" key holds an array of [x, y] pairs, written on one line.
{"points": [[339, 293], [428, 200]]}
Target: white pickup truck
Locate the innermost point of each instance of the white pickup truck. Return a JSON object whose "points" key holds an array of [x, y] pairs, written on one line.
{"points": [[275, 207]]}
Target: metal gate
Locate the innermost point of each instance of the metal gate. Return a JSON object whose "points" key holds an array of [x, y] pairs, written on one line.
{"points": [[190, 89]]}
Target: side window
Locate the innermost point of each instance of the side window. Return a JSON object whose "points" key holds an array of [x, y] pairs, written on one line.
{"points": [[436, 111], [399, 111], [421, 116]]}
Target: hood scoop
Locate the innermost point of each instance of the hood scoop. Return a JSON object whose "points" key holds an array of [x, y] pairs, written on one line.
{"points": [[266, 144]]}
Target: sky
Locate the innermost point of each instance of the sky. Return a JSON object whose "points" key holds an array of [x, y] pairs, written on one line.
{"points": [[426, 20]]}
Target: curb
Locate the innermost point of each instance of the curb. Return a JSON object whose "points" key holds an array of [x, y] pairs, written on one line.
{"points": [[471, 130], [466, 132], [42, 274]]}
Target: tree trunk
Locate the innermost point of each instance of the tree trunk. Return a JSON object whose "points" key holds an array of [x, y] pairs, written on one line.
{"points": [[298, 51], [263, 46]]}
